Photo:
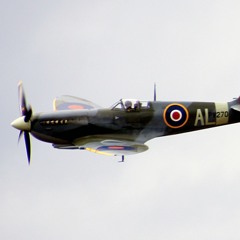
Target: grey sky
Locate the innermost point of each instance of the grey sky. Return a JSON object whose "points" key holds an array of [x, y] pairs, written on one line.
{"points": [[184, 187]]}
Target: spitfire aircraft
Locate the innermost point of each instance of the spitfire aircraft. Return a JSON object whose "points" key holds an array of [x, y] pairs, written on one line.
{"points": [[121, 129]]}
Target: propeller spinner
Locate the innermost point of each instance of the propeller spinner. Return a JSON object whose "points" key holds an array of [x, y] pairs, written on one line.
{"points": [[23, 123]]}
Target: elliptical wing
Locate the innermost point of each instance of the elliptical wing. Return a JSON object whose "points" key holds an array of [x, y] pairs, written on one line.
{"points": [[73, 103]]}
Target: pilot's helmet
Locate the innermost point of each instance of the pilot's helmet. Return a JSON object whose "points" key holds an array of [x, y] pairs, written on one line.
{"points": [[137, 105], [128, 104]]}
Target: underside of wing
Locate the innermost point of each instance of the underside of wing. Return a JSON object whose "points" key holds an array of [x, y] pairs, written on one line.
{"points": [[119, 150], [72, 103], [111, 146]]}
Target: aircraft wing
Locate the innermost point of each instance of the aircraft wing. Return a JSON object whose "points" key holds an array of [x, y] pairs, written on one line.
{"points": [[108, 147], [111, 146], [116, 150], [73, 103]]}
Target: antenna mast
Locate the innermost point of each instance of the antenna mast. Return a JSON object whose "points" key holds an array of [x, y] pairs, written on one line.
{"points": [[155, 94]]}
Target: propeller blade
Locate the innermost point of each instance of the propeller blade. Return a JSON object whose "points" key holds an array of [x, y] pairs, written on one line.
{"points": [[28, 114], [28, 146], [22, 99], [24, 108], [20, 136], [24, 123]]}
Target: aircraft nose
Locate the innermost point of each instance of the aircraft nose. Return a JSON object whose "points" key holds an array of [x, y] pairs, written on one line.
{"points": [[21, 125]]}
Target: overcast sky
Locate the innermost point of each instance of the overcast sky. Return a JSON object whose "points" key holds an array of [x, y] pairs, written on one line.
{"points": [[184, 187]]}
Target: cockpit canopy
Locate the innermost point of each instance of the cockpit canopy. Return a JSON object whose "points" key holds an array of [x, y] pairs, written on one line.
{"points": [[130, 105]]}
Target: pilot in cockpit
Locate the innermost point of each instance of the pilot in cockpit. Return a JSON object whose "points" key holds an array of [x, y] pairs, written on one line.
{"points": [[128, 106], [137, 106]]}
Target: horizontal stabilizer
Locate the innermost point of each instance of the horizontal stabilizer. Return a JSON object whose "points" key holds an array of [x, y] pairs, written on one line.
{"points": [[72, 103], [236, 107]]}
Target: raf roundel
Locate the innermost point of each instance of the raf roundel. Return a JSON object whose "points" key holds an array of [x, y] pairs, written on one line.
{"points": [[175, 115]]}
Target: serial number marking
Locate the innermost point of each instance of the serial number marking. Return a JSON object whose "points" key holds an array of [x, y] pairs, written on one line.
{"points": [[222, 114], [217, 118]]}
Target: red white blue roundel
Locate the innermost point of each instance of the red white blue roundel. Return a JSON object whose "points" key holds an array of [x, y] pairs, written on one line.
{"points": [[175, 115]]}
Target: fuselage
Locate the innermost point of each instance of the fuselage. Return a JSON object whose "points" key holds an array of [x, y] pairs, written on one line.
{"points": [[122, 129], [156, 119]]}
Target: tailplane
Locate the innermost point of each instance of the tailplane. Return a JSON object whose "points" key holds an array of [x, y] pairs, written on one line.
{"points": [[235, 105]]}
